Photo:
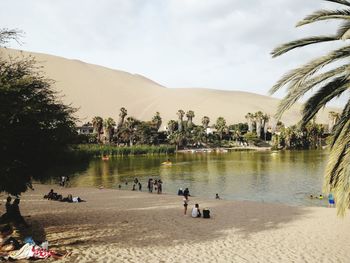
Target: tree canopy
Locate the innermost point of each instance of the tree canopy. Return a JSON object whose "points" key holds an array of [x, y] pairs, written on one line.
{"points": [[35, 126], [325, 85]]}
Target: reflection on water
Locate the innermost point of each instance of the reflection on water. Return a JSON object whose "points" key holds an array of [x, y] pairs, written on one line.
{"points": [[286, 177]]}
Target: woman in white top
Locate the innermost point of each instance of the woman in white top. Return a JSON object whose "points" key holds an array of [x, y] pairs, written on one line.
{"points": [[195, 211]]}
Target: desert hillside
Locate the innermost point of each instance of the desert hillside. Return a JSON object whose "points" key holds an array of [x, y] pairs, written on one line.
{"points": [[98, 90]]}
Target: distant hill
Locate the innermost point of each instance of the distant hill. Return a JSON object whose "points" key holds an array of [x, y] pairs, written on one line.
{"points": [[98, 90]]}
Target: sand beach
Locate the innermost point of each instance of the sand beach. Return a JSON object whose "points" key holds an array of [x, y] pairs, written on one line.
{"points": [[128, 226]]}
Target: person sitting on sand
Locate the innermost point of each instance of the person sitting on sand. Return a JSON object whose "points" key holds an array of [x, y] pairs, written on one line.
{"points": [[195, 211], [217, 196], [33, 251], [180, 192], [7, 243], [311, 197], [185, 204]]}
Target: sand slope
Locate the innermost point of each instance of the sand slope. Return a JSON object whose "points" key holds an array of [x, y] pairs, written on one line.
{"points": [[127, 226], [97, 90]]}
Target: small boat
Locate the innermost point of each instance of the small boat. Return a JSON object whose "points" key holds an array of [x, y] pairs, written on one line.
{"points": [[167, 163]]}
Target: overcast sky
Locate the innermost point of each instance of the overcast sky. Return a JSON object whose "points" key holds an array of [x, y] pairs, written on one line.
{"points": [[221, 44]]}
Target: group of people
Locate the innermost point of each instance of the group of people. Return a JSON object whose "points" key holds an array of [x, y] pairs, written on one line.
{"points": [[331, 201], [196, 212], [156, 185], [12, 249], [137, 184], [12, 213], [57, 197]]}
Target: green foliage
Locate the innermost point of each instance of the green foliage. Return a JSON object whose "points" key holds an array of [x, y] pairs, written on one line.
{"points": [[100, 150], [35, 127], [326, 80], [251, 137]]}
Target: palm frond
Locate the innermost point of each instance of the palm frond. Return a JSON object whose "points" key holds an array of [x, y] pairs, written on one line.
{"points": [[343, 32], [337, 177], [342, 2], [297, 76], [325, 15], [344, 117], [328, 92], [294, 95], [301, 43]]}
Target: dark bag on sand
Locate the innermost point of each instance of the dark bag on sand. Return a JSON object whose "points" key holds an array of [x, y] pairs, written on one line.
{"points": [[206, 213]]}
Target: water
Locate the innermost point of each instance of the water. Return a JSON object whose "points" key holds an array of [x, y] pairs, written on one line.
{"points": [[284, 177]]}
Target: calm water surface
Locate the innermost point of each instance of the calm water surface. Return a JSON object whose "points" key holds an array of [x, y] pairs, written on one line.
{"points": [[282, 177]]}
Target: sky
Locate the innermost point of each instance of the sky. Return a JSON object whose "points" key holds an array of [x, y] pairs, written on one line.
{"points": [[219, 44]]}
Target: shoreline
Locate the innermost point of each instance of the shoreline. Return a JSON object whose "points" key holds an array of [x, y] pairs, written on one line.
{"points": [[131, 226]]}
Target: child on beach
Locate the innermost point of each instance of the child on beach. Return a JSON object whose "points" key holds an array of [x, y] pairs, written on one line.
{"points": [[185, 204], [331, 202]]}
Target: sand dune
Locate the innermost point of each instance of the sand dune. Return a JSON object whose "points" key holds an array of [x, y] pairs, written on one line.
{"points": [[97, 90]]}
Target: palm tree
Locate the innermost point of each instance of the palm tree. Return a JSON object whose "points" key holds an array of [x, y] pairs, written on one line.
{"points": [[266, 119], [250, 119], [157, 120], [130, 127], [108, 125], [333, 118], [190, 116], [122, 114], [177, 138], [180, 114], [258, 116], [97, 123], [328, 84], [221, 126], [171, 126], [205, 122]]}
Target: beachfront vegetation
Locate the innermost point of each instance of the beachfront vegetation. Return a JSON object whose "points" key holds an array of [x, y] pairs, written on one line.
{"points": [[325, 85], [35, 126], [186, 134], [96, 150]]}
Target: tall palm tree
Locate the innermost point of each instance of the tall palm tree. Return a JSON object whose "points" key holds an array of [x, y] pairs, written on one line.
{"points": [[221, 126], [123, 112], [328, 84], [157, 120], [333, 118], [130, 126], [258, 116], [250, 120], [108, 125], [190, 115], [205, 122], [97, 123], [180, 115], [266, 119]]}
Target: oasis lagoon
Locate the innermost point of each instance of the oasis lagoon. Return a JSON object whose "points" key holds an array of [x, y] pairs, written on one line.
{"points": [[278, 177]]}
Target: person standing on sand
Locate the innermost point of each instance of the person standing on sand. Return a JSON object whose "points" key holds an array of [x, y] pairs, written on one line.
{"points": [[140, 186], [331, 202], [150, 185], [185, 204], [159, 186], [186, 192]]}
